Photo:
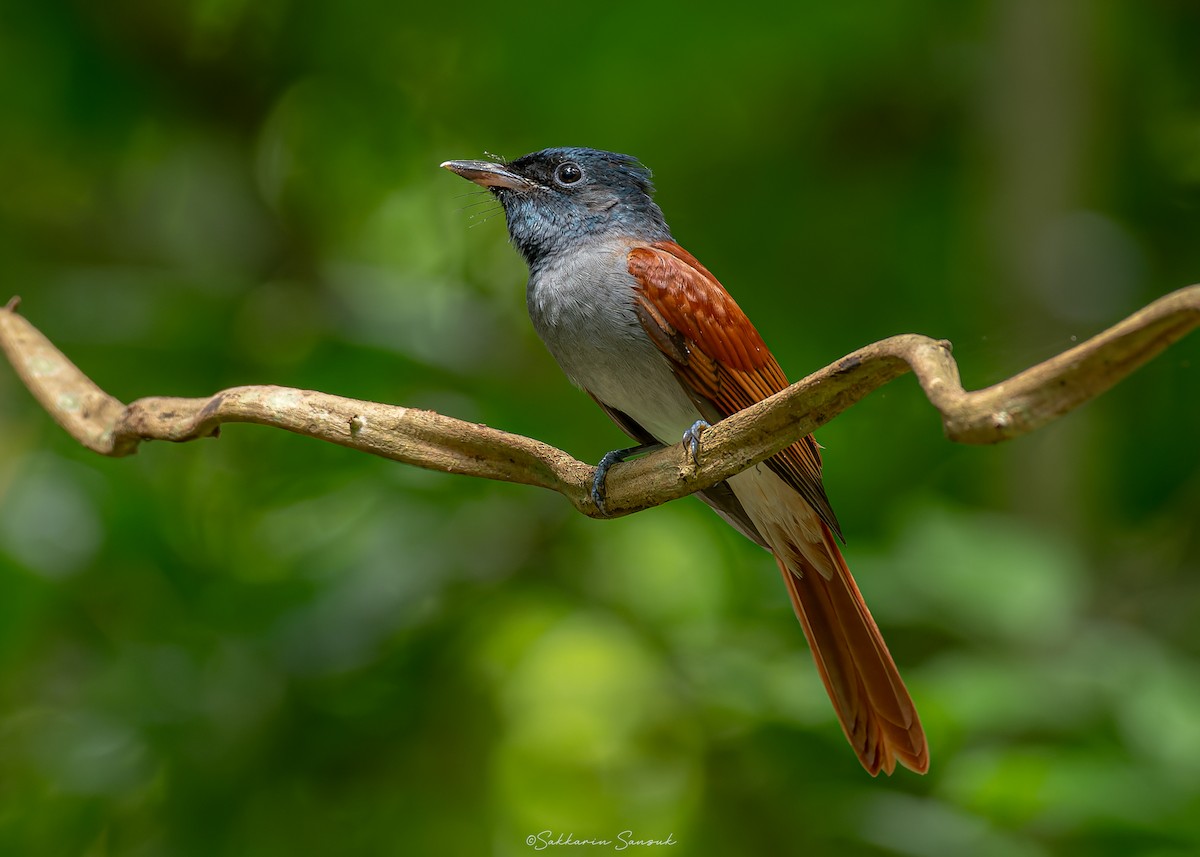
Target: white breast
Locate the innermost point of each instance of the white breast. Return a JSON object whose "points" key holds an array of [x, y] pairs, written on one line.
{"points": [[582, 306]]}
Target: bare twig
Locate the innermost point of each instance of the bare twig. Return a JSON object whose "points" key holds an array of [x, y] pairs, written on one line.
{"points": [[1003, 411]]}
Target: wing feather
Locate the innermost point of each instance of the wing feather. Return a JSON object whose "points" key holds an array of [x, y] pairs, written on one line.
{"points": [[717, 354]]}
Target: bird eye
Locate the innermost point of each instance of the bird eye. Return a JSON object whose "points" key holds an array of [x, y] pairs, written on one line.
{"points": [[568, 173]]}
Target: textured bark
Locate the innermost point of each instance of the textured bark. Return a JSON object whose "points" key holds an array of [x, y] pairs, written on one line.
{"points": [[1006, 410]]}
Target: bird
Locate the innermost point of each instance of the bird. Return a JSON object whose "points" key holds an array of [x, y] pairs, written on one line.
{"points": [[639, 324]]}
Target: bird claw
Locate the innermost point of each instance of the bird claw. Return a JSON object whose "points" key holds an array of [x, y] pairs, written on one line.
{"points": [[692, 438], [600, 477]]}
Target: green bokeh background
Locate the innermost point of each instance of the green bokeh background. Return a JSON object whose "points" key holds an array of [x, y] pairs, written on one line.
{"points": [[265, 645]]}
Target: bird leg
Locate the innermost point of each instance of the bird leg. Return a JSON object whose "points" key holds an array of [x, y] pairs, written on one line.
{"points": [[692, 438], [609, 459]]}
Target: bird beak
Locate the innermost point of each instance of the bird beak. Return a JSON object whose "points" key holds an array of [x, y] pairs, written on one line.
{"points": [[489, 175]]}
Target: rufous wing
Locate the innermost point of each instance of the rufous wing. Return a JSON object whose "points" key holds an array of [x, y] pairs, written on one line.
{"points": [[717, 354]]}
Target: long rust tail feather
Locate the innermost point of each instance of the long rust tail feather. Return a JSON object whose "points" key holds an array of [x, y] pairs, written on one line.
{"points": [[875, 710]]}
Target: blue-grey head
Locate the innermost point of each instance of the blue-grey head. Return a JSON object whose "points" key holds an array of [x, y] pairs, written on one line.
{"points": [[557, 198]]}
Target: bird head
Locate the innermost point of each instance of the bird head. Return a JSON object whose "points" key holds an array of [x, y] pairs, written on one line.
{"points": [[555, 199]]}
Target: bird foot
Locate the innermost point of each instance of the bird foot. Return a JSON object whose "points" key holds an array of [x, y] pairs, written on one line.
{"points": [[610, 458], [692, 438]]}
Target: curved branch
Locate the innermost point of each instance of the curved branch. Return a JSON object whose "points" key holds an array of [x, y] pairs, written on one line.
{"points": [[426, 439]]}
